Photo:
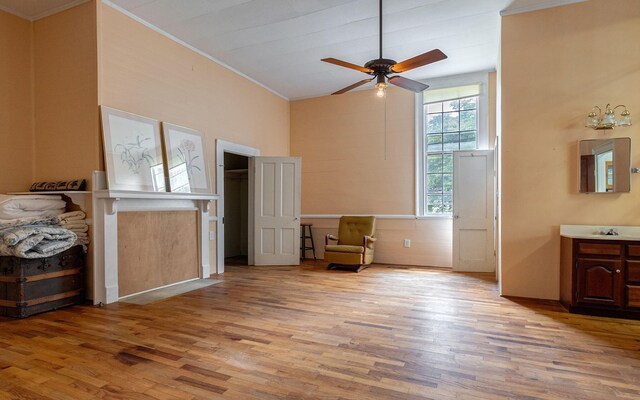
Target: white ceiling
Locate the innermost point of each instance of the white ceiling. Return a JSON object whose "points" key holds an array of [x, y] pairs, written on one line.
{"points": [[279, 43]]}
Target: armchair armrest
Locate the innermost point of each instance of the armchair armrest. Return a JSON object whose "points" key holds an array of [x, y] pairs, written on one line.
{"points": [[329, 237], [369, 241]]}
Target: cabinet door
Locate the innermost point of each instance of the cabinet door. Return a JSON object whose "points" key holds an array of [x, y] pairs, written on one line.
{"points": [[599, 282]]}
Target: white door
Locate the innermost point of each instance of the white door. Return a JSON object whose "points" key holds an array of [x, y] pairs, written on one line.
{"points": [[473, 211], [276, 210]]}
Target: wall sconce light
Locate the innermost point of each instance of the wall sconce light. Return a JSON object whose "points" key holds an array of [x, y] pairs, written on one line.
{"points": [[608, 120]]}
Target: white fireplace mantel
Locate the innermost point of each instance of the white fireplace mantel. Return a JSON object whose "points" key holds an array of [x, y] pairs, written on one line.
{"points": [[106, 206]]}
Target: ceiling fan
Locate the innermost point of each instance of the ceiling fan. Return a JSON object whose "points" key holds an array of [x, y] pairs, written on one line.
{"points": [[381, 68]]}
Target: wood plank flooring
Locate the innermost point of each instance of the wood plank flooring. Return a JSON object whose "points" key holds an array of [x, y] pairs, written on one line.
{"points": [[307, 333]]}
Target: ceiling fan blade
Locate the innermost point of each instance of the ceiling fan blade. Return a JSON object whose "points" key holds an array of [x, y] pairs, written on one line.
{"points": [[408, 84], [418, 61], [347, 65], [355, 85]]}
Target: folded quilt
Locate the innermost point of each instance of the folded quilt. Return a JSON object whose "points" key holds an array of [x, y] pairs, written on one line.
{"points": [[80, 227], [12, 207], [10, 223], [72, 216], [35, 241]]}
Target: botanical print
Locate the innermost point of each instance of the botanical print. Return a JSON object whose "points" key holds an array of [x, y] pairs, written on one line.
{"points": [[133, 151], [135, 154], [186, 158], [187, 154]]}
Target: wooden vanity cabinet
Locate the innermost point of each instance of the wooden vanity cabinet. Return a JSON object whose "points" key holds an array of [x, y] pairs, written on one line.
{"points": [[600, 277], [599, 282]]}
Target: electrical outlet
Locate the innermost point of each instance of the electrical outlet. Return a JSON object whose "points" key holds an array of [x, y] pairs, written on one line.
{"points": [[212, 235], [407, 243]]}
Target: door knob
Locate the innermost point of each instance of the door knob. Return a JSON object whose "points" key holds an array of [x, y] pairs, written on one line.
{"points": [[617, 271]]}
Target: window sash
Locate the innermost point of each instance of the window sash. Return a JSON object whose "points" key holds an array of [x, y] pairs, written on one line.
{"points": [[481, 80], [446, 137]]}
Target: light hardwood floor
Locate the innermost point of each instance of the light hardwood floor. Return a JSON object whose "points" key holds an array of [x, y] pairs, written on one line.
{"points": [[307, 333]]}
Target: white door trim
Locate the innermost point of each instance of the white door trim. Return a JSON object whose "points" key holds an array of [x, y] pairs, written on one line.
{"points": [[223, 146]]}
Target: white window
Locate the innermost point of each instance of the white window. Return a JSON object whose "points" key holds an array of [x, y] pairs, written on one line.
{"points": [[450, 118]]}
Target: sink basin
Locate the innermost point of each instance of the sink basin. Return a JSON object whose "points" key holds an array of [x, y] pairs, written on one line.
{"points": [[598, 232]]}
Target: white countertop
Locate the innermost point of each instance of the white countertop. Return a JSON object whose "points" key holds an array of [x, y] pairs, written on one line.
{"points": [[594, 232]]}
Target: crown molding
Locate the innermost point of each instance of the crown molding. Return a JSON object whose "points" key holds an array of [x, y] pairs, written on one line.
{"points": [[188, 46]]}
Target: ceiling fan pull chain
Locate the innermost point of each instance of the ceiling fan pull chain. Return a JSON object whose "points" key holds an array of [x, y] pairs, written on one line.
{"points": [[385, 128]]}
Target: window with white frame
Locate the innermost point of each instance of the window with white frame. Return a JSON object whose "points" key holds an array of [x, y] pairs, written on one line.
{"points": [[451, 119]]}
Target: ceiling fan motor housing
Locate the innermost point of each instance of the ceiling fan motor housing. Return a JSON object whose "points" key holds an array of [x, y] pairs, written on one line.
{"points": [[380, 66]]}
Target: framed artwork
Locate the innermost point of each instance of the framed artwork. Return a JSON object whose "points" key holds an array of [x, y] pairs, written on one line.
{"points": [[187, 165], [132, 151]]}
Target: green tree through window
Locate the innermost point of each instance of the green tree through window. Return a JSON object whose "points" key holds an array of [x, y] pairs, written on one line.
{"points": [[449, 125]]}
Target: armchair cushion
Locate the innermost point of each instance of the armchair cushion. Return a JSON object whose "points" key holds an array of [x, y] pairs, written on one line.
{"points": [[352, 229], [344, 249]]}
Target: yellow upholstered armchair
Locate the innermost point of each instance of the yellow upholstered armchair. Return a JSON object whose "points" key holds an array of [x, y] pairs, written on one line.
{"points": [[355, 243]]}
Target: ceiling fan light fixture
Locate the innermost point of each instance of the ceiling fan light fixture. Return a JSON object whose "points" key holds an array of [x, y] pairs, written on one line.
{"points": [[381, 85]]}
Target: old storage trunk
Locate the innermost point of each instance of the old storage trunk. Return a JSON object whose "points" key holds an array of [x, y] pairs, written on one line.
{"points": [[32, 286]]}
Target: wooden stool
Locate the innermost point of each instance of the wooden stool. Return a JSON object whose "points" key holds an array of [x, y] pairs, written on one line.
{"points": [[303, 241]]}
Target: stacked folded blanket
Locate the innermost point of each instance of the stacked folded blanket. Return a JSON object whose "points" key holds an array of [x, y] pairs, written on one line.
{"points": [[34, 237], [35, 226], [75, 222], [24, 206]]}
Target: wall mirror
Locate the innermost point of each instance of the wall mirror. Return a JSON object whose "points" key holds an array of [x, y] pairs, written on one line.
{"points": [[605, 165]]}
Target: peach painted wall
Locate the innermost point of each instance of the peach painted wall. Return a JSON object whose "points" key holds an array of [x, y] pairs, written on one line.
{"points": [[346, 170], [146, 73], [67, 140], [143, 72], [557, 64], [16, 103]]}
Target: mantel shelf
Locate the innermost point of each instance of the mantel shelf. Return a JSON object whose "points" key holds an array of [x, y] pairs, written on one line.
{"points": [[129, 194]]}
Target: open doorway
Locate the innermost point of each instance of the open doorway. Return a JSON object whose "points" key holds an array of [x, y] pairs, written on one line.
{"points": [[236, 209], [273, 205], [225, 150]]}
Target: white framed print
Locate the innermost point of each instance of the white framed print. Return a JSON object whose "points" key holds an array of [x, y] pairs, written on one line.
{"points": [[132, 151], [186, 154]]}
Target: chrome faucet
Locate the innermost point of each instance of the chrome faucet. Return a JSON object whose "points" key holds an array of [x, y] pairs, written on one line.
{"points": [[612, 232]]}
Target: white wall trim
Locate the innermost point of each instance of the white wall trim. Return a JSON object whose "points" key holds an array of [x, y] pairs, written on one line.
{"points": [[43, 14], [188, 46], [419, 159], [222, 146], [158, 288], [536, 7]]}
